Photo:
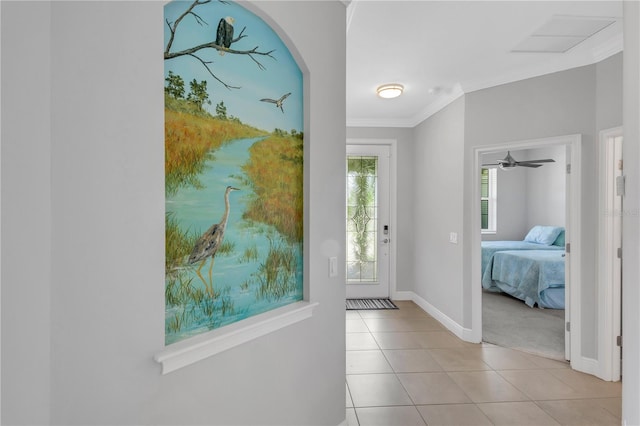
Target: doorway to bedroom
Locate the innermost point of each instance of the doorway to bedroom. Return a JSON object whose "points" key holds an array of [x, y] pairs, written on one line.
{"points": [[523, 210], [533, 201]]}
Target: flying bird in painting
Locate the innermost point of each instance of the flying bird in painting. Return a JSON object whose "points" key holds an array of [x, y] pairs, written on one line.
{"points": [[277, 102], [224, 35], [209, 243]]}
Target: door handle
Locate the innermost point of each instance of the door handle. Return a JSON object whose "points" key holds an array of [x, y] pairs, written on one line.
{"points": [[385, 241]]}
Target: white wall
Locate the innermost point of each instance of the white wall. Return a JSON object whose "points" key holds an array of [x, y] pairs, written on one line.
{"points": [[83, 228], [438, 209], [26, 212], [609, 92], [631, 218], [403, 236], [546, 187], [511, 205]]}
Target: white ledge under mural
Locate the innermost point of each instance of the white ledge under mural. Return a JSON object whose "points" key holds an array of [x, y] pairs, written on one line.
{"points": [[192, 350]]}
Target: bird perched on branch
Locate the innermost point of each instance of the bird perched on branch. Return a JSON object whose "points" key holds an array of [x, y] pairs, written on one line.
{"points": [[209, 243], [278, 102], [224, 35]]}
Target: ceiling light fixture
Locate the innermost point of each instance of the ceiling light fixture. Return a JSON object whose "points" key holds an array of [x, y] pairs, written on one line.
{"points": [[389, 91]]}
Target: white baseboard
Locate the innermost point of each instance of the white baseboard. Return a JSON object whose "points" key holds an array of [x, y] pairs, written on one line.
{"points": [[586, 365], [403, 295], [461, 332], [582, 364]]}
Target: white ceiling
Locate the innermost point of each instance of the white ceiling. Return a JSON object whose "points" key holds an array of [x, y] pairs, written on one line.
{"points": [[441, 49]]}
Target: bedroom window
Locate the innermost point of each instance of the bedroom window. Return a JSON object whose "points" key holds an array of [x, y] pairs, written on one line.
{"points": [[488, 192]]}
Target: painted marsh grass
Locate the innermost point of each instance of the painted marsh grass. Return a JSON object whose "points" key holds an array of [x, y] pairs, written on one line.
{"points": [[178, 243], [275, 173], [250, 254], [277, 275], [191, 305], [190, 139]]}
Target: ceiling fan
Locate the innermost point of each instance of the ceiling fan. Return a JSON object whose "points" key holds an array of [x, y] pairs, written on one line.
{"points": [[509, 162]]}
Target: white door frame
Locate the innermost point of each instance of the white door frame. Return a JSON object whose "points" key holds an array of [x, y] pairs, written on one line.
{"points": [[573, 234], [609, 266], [392, 143]]}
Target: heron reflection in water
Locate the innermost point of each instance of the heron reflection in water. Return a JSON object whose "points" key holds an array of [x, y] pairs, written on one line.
{"points": [[209, 243]]}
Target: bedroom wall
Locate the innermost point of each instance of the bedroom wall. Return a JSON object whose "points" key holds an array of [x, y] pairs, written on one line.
{"points": [[83, 229], [403, 236], [511, 203], [546, 188], [438, 209]]}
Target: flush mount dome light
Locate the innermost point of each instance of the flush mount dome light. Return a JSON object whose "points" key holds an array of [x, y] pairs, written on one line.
{"points": [[389, 91]]}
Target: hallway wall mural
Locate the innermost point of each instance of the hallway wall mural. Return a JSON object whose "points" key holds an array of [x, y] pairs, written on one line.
{"points": [[233, 168]]}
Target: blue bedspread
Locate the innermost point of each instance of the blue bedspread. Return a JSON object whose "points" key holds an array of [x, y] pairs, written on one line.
{"points": [[491, 247], [528, 275]]}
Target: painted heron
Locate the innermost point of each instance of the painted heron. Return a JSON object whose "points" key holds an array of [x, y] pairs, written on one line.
{"points": [[209, 243]]}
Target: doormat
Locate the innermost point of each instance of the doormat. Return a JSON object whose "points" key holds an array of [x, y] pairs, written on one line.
{"points": [[363, 304]]}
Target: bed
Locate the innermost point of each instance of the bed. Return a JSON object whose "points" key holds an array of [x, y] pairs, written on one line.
{"points": [[531, 270], [489, 248], [533, 276]]}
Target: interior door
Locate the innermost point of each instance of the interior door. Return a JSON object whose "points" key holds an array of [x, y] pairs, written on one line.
{"points": [[617, 258], [611, 199], [367, 221], [612, 237]]}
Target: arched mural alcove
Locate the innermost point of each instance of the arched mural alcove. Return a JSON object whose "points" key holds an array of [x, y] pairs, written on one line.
{"points": [[234, 154]]}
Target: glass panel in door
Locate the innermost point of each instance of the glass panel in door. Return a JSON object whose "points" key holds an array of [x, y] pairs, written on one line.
{"points": [[367, 213]]}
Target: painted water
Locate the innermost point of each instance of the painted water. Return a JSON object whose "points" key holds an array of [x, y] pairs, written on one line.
{"points": [[244, 283]]}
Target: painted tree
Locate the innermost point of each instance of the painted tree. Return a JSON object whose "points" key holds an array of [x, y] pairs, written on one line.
{"points": [[175, 86], [198, 94], [194, 51], [221, 111]]}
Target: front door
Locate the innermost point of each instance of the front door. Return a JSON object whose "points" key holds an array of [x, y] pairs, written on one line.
{"points": [[368, 232]]}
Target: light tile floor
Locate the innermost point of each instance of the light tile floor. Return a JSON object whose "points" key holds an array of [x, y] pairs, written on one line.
{"points": [[404, 368]]}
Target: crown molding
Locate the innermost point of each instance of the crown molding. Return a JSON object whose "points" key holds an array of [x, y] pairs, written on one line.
{"points": [[375, 122], [521, 74], [598, 53], [609, 48], [351, 10], [439, 104]]}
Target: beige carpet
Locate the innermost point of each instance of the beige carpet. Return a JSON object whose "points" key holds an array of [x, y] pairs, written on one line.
{"points": [[509, 323]]}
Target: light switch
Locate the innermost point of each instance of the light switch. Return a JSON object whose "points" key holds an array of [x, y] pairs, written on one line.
{"points": [[453, 237], [333, 267]]}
